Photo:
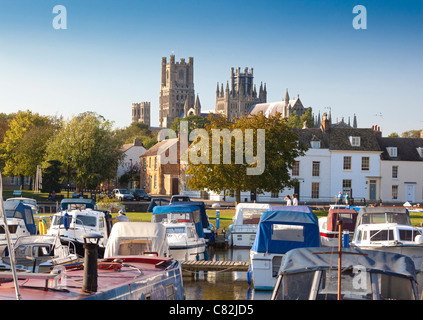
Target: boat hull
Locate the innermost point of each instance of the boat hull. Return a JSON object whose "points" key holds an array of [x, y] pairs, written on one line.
{"points": [[263, 271]]}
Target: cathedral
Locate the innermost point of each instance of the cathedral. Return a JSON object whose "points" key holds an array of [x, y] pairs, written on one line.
{"points": [[177, 97], [236, 101]]}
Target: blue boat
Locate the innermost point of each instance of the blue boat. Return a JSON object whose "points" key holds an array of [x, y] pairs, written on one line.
{"points": [[279, 232]]}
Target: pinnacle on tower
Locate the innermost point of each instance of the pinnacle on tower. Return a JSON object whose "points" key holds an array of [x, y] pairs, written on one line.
{"points": [[286, 96]]}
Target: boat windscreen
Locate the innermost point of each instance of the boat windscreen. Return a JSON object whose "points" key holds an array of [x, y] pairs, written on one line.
{"points": [[386, 217], [14, 214], [252, 216]]}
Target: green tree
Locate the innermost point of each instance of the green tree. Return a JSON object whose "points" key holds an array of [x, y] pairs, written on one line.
{"points": [[137, 130], [194, 122], [411, 134], [393, 135], [88, 141], [52, 174], [25, 141], [280, 150]]}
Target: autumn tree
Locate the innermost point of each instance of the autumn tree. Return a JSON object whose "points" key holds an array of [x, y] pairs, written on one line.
{"points": [[262, 153], [25, 142], [88, 142], [137, 130]]}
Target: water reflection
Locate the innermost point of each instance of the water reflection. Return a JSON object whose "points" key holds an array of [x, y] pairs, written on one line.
{"points": [[222, 285]]}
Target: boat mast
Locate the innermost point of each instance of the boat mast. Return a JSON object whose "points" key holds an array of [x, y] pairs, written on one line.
{"points": [[9, 246]]}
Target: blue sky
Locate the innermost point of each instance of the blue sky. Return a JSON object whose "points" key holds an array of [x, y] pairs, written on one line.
{"points": [[110, 54]]}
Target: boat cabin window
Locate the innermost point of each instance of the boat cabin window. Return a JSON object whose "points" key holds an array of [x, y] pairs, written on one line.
{"points": [[251, 216], [285, 232], [28, 216], [381, 235], [295, 286], [174, 216], [386, 217], [134, 247], [394, 288], [14, 214], [408, 235], [328, 287], [175, 230], [87, 221]]}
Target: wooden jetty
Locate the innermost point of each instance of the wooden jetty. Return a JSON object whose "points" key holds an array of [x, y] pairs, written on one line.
{"points": [[202, 265]]}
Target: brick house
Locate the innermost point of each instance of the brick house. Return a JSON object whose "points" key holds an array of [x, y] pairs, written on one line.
{"points": [[161, 168]]}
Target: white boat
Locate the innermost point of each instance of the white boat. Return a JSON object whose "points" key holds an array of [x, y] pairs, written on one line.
{"points": [[40, 253], [312, 274], [183, 240], [329, 229], [20, 222], [389, 229], [242, 232], [185, 233], [279, 232], [72, 224]]}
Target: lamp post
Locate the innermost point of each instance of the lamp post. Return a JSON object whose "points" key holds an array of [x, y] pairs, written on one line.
{"points": [[69, 160]]}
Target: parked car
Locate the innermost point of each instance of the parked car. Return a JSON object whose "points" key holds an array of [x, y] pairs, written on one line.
{"points": [[122, 194], [140, 194], [179, 198]]}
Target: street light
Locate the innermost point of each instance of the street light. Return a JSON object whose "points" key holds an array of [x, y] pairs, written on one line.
{"points": [[69, 160]]}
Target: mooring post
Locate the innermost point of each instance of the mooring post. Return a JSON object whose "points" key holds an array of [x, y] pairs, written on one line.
{"points": [[90, 262]]}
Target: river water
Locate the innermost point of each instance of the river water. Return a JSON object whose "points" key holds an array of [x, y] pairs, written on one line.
{"points": [[222, 285]]}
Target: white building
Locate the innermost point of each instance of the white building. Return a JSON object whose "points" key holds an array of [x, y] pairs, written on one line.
{"points": [[131, 160], [402, 169]]}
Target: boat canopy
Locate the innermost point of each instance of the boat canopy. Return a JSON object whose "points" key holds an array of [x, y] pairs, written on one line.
{"points": [[348, 218], [322, 258], [157, 202], [201, 205], [283, 230], [77, 203], [179, 213], [372, 215], [18, 210], [137, 238], [249, 213]]}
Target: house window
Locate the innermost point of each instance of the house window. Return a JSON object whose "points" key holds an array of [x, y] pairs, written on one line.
{"points": [[347, 163], [355, 141], [12, 180], [274, 195], [394, 192], [315, 186], [296, 168], [155, 163], [316, 169], [346, 185], [365, 163], [392, 151], [394, 172], [155, 181]]}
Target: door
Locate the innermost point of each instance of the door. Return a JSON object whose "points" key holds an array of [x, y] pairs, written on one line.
{"points": [[372, 190], [175, 186], [410, 192]]}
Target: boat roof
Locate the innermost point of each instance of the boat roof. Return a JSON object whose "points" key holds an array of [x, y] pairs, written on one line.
{"points": [[156, 232], [14, 205], [175, 208], [89, 203], [269, 240], [397, 215], [259, 208], [320, 258], [201, 205]]}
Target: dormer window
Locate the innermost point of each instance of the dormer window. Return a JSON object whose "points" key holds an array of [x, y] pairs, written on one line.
{"points": [[355, 141], [315, 144], [420, 151], [392, 151]]}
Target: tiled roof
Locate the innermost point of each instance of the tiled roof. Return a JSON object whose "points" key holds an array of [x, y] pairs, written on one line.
{"points": [[160, 147], [406, 148]]}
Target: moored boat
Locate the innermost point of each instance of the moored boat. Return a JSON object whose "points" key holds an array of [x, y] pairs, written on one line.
{"points": [[242, 232], [312, 274], [185, 234], [279, 232], [329, 228]]}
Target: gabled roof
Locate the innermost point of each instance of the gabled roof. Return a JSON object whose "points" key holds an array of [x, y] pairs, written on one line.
{"points": [[406, 148], [160, 147]]}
